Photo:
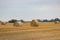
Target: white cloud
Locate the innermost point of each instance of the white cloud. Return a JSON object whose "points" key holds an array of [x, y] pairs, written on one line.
{"points": [[31, 8], [48, 8], [39, 8]]}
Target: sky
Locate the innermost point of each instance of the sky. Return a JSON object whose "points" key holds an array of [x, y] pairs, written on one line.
{"points": [[29, 9]]}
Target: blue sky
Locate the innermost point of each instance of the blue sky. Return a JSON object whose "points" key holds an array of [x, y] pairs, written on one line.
{"points": [[29, 9]]}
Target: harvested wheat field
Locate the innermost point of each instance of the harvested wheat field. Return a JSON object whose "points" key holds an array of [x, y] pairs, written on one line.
{"points": [[45, 31]]}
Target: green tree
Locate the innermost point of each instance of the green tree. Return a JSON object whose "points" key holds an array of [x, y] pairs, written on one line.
{"points": [[57, 19], [22, 20], [12, 21]]}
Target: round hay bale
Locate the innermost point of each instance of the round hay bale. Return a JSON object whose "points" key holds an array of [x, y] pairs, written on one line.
{"points": [[3, 23], [56, 22], [18, 24], [34, 23]]}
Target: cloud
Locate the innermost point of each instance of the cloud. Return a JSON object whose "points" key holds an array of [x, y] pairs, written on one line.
{"points": [[27, 1], [47, 8], [31, 8]]}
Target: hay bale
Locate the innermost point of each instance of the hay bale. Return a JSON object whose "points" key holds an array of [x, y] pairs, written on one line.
{"points": [[18, 24], [34, 23], [3, 23], [56, 22]]}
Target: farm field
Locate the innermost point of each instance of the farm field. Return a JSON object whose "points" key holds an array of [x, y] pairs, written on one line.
{"points": [[45, 31]]}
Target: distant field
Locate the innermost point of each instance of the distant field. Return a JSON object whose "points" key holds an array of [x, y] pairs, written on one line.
{"points": [[45, 31], [26, 26]]}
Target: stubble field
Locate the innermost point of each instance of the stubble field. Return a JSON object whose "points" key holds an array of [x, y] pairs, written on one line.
{"points": [[45, 31]]}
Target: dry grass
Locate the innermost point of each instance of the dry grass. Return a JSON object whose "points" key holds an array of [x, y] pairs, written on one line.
{"points": [[45, 31], [26, 26]]}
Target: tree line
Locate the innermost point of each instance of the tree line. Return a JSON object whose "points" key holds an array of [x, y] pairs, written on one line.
{"points": [[51, 20], [45, 20]]}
